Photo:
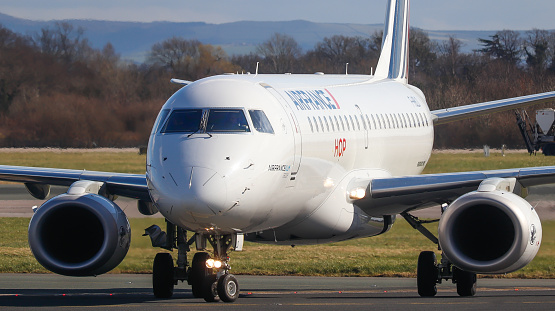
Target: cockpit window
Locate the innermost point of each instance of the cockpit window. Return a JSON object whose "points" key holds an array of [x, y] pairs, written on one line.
{"points": [[160, 120], [261, 122], [183, 121], [227, 120]]}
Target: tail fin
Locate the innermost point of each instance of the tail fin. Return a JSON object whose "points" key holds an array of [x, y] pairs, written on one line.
{"points": [[393, 62]]}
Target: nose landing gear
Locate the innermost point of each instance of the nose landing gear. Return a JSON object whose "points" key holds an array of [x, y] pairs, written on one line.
{"points": [[208, 276]]}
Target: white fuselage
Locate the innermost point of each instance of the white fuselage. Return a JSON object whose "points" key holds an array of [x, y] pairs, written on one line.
{"points": [[327, 131]]}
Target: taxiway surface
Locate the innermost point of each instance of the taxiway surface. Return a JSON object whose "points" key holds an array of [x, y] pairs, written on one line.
{"points": [[133, 292]]}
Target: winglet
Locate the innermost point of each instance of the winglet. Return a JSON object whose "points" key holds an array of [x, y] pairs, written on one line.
{"points": [[393, 62]]}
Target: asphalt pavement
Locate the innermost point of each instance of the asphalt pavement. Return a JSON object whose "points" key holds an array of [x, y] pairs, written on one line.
{"points": [[133, 292]]}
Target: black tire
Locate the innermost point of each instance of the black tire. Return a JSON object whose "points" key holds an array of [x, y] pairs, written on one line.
{"points": [[228, 288], [466, 282], [198, 273], [426, 274], [209, 289], [162, 275]]}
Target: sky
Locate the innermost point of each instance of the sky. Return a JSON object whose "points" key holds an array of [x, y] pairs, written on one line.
{"points": [[425, 14]]}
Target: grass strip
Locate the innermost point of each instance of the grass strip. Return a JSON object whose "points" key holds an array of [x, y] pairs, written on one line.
{"points": [[390, 254]]}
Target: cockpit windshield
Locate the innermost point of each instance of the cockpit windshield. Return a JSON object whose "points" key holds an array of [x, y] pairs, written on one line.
{"points": [[207, 121], [183, 121], [227, 120]]}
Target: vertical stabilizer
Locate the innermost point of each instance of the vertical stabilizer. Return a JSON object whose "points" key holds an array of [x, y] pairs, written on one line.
{"points": [[393, 62]]}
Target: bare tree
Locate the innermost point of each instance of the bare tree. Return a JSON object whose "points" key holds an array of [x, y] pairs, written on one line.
{"points": [[421, 52], [281, 51], [450, 56], [64, 42], [536, 47], [339, 50], [176, 54]]}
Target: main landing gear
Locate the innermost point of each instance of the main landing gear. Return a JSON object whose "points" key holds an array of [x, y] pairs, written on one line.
{"points": [[429, 272], [208, 276]]}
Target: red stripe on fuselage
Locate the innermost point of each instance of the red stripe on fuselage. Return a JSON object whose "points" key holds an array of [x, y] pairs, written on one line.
{"points": [[336, 103]]}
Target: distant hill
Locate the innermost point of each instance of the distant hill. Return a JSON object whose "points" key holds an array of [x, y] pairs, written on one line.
{"points": [[133, 39]]}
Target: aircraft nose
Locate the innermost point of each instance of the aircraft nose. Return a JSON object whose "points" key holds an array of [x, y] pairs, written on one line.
{"points": [[206, 192]]}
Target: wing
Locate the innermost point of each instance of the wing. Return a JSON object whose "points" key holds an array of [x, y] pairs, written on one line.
{"points": [[390, 196], [442, 116], [126, 185]]}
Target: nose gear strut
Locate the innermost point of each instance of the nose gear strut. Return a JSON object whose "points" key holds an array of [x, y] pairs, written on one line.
{"points": [[209, 277]]}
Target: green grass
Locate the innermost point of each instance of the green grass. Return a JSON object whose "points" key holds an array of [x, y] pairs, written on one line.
{"points": [[462, 162], [391, 254], [121, 162]]}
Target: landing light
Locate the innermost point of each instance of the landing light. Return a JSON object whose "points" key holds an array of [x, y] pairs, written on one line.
{"points": [[211, 263], [357, 194]]}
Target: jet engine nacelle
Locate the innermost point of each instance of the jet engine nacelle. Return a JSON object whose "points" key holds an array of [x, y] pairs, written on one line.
{"points": [[490, 232], [79, 235]]}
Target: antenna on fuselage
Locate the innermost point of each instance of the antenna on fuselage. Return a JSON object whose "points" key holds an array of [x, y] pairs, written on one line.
{"points": [[346, 68], [256, 73]]}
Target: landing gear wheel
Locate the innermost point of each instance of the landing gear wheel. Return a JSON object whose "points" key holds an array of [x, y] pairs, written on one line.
{"points": [[198, 273], [228, 288], [209, 289], [162, 275], [426, 274], [466, 282]]}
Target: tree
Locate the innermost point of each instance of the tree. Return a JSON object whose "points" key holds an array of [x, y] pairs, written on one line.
{"points": [[189, 59], [536, 47], [246, 63], [450, 56], [421, 52], [64, 42], [504, 45], [177, 55], [281, 51], [213, 61], [338, 50]]}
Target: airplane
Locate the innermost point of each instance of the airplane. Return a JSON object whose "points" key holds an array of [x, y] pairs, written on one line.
{"points": [[292, 159]]}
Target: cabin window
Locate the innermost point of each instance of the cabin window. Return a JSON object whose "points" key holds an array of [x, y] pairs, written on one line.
{"points": [[369, 124], [358, 123], [311, 126], [227, 120], [347, 121], [184, 121], [316, 124], [364, 122], [342, 124], [425, 117], [337, 124], [160, 120], [322, 124], [260, 122], [331, 122], [404, 120]]}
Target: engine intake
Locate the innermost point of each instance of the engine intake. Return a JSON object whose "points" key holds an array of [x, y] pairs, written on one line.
{"points": [[490, 232], [79, 235]]}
